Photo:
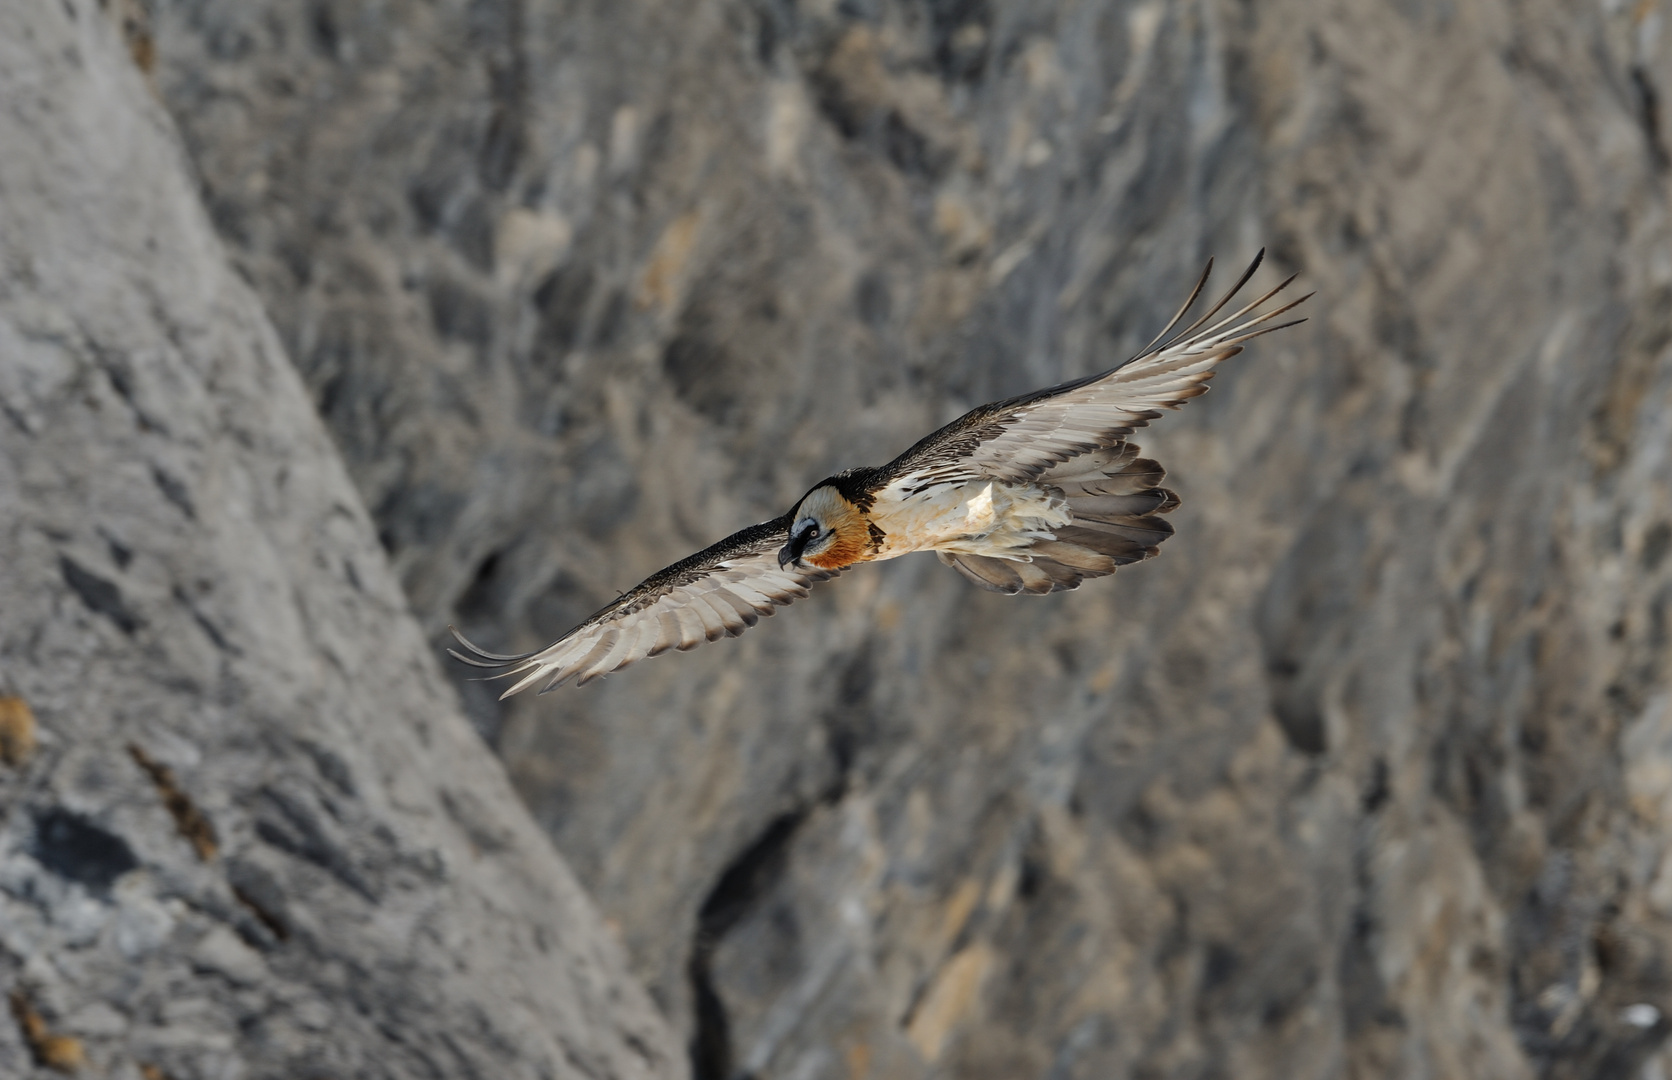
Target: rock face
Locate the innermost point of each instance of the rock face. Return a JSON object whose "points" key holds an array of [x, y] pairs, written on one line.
{"points": [[1369, 774], [244, 829]]}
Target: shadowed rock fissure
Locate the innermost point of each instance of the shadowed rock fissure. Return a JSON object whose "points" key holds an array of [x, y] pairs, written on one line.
{"points": [[749, 877], [746, 880], [1648, 114]]}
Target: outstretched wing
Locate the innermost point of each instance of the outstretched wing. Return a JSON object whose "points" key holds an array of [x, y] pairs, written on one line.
{"points": [[720, 591], [1024, 437]]}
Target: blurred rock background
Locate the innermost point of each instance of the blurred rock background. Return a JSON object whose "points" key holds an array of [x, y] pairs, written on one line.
{"points": [[1370, 774]]}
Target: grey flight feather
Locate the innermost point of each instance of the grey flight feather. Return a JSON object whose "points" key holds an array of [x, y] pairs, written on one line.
{"points": [[718, 592], [1023, 437]]}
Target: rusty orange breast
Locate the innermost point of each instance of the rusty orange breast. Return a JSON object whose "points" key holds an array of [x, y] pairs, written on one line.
{"points": [[851, 541], [852, 544]]}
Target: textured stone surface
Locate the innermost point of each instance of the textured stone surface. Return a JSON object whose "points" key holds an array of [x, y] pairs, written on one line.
{"points": [[244, 829], [1369, 774]]}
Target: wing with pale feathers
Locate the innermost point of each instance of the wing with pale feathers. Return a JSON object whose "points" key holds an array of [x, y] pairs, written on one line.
{"points": [[720, 591], [1022, 438]]}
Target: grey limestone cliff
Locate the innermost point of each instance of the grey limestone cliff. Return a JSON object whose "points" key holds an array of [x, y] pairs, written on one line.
{"points": [[244, 829], [1369, 774]]}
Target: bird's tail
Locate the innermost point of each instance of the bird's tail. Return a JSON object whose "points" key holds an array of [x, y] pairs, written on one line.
{"points": [[1116, 498]]}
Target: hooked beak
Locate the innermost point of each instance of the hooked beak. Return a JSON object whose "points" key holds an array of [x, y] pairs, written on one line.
{"points": [[790, 553]]}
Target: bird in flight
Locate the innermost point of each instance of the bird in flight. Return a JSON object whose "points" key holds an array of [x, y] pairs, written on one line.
{"points": [[1033, 494]]}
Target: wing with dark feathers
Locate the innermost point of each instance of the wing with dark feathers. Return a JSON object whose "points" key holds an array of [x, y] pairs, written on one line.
{"points": [[720, 591], [1024, 437]]}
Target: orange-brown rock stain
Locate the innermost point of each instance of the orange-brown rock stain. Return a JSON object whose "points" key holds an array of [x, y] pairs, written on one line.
{"points": [[63, 1053], [17, 732]]}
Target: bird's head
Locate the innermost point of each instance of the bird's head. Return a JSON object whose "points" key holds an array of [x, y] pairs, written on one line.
{"points": [[826, 530]]}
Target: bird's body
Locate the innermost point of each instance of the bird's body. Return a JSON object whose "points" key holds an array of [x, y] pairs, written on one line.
{"points": [[1032, 494], [974, 517]]}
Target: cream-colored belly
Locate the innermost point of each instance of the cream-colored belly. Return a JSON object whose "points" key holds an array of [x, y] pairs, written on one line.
{"points": [[986, 517]]}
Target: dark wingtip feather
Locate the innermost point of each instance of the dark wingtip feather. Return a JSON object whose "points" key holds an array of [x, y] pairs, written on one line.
{"points": [[480, 654], [1190, 302], [553, 683], [472, 661], [1262, 331], [1259, 258]]}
